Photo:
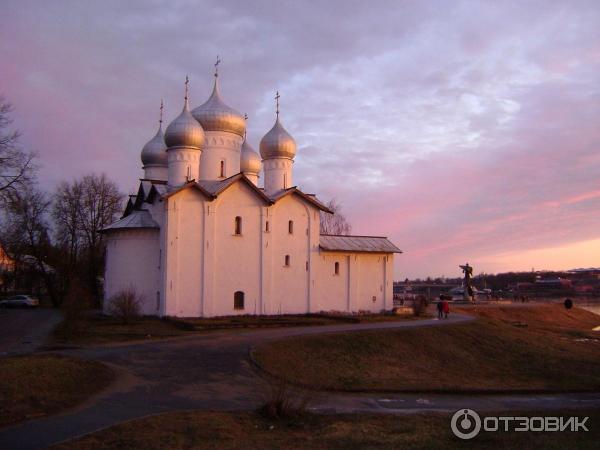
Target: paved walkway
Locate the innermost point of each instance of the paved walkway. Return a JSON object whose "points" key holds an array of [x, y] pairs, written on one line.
{"points": [[213, 372], [24, 330]]}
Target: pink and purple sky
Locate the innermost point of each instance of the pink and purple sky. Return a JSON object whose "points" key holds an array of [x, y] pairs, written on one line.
{"points": [[464, 131]]}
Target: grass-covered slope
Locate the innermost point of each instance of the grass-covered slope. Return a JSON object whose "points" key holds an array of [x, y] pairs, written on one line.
{"points": [[37, 385], [508, 348]]}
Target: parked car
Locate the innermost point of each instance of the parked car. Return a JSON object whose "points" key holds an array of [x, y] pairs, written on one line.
{"points": [[20, 301]]}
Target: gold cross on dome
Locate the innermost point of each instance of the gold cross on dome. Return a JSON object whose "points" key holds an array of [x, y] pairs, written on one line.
{"points": [[277, 103], [161, 111], [187, 82]]}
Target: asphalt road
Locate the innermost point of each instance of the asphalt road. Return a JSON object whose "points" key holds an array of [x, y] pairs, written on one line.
{"points": [[24, 330], [213, 372]]}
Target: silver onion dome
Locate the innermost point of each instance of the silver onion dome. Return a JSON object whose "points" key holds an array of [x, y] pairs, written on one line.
{"points": [[154, 152], [277, 143], [184, 131], [215, 115], [249, 160]]}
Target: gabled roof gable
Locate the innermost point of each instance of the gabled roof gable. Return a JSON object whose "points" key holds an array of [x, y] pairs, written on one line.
{"points": [[305, 197], [241, 178], [190, 185]]}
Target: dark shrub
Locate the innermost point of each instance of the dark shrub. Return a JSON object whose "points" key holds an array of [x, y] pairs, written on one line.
{"points": [[284, 401], [125, 305]]}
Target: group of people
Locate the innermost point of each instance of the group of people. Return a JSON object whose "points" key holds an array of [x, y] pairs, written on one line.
{"points": [[443, 308]]}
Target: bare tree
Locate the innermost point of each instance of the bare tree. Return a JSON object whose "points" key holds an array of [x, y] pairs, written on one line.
{"points": [[16, 165], [81, 209], [66, 212], [101, 201], [26, 232], [335, 223]]}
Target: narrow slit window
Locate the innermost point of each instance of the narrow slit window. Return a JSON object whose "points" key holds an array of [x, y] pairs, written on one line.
{"points": [[222, 169], [238, 300], [291, 227], [238, 225], [267, 226], [336, 268], [287, 260]]}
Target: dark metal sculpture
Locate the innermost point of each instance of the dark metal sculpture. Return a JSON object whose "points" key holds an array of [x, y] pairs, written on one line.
{"points": [[468, 288]]}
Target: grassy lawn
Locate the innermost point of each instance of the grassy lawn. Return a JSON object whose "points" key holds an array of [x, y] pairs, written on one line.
{"points": [[32, 386], [199, 430], [291, 320], [98, 329], [542, 347]]}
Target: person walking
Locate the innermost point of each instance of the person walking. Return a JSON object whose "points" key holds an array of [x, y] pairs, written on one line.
{"points": [[440, 307], [446, 308]]}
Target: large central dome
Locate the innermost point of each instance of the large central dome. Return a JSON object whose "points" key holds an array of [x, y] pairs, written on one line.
{"points": [[215, 115]]}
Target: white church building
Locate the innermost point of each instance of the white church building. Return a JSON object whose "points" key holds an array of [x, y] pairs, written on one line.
{"points": [[204, 237]]}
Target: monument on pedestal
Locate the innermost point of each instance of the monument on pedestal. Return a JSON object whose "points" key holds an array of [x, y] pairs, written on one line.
{"points": [[468, 289]]}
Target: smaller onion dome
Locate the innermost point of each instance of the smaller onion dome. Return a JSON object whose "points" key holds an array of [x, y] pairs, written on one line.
{"points": [[249, 160], [184, 131], [277, 143], [215, 115], [154, 152]]}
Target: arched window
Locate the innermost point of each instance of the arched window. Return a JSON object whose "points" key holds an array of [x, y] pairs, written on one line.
{"points": [[238, 225], [291, 227], [336, 268], [222, 169], [287, 260], [238, 300]]}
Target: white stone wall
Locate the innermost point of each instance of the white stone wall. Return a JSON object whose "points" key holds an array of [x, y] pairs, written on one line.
{"points": [[197, 262], [132, 260], [237, 257], [362, 276], [288, 292], [220, 146], [183, 254], [333, 289]]}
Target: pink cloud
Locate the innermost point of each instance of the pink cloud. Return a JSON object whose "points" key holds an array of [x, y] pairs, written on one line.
{"points": [[459, 136]]}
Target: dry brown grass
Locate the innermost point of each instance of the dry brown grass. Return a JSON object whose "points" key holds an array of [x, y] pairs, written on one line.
{"points": [[32, 386], [546, 318], [99, 329], [287, 320], [200, 430], [556, 350], [102, 330]]}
